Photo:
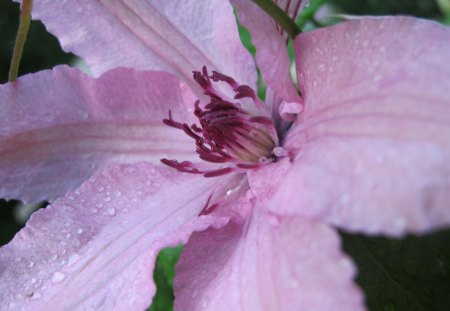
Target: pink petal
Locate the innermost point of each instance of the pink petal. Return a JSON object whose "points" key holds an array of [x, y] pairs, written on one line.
{"points": [[374, 140], [271, 48], [59, 126], [96, 248], [269, 263], [169, 35]]}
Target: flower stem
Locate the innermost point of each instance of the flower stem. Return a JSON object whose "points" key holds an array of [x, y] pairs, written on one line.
{"points": [[24, 25], [279, 16]]}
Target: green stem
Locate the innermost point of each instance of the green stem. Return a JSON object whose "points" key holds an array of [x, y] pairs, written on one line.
{"points": [[24, 25], [279, 16]]}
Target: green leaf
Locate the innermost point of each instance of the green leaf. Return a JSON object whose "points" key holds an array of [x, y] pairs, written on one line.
{"points": [[308, 12], [163, 276], [408, 274]]}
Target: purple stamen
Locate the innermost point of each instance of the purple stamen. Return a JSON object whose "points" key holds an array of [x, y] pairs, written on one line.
{"points": [[226, 133]]}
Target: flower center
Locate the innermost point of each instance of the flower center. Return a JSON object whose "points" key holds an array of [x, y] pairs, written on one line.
{"points": [[227, 133]]}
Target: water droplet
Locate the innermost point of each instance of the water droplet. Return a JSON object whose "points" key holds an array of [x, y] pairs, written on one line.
{"points": [[322, 67], [100, 188], [54, 257], [35, 296], [73, 259], [83, 114], [195, 293], [275, 46], [294, 283], [263, 160], [279, 152], [110, 211], [205, 303], [273, 220], [129, 170], [58, 277], [80, 230], [107, 199], [345, 198], [99, 205], [118, 193], [400, 223]]}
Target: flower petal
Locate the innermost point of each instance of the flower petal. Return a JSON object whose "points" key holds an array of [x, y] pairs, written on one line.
{"points": [[374, 140], [271, 47], [169, 35], [96, 248], [269, 263], [59, 126]]}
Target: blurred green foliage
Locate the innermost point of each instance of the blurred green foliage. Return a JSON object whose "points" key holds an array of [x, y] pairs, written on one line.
{"points": [[409, 274], [41, 50]]}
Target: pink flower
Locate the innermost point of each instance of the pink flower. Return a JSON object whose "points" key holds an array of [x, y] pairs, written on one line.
{"points": [[367, 151]]}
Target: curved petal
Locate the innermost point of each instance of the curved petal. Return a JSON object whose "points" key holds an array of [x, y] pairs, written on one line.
{"points": [[96, 248], [268, 263], [374, 139], [271, 47], [59, 126], [169, 35]]}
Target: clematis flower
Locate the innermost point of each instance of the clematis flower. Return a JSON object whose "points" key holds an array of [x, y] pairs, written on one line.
{"points": [[138, 159]]}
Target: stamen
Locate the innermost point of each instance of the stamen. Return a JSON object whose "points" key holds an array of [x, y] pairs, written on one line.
{"points": [[218, 172], [244, 91], [216, 76], [227, 133]]}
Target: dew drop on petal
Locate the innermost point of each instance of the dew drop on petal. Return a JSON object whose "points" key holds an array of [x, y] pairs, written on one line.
{"points": [[36, 296], [195, 293], [73, 259], [294, 283], [129, 170], [110, 211], [58, 277]]}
